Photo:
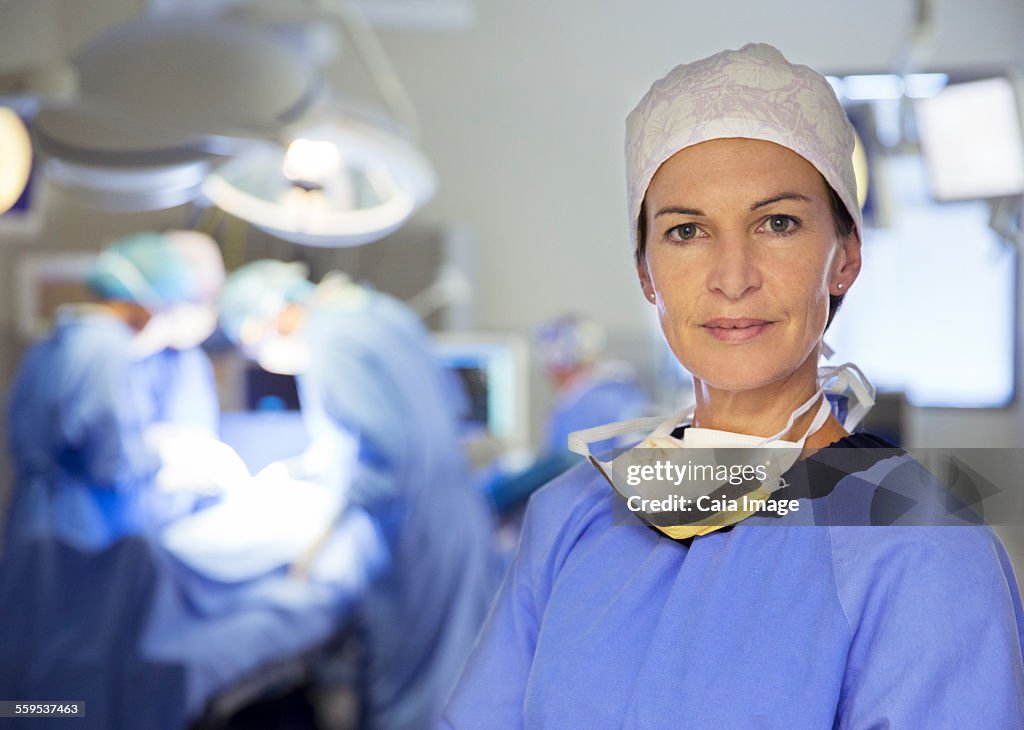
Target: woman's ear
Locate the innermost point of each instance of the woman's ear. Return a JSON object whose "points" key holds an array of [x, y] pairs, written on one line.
{"points": [[848, 264], [645, 279]]}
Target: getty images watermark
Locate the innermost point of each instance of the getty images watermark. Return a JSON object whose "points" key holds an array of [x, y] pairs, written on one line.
{"points": [[700, 477], [840, 486]]}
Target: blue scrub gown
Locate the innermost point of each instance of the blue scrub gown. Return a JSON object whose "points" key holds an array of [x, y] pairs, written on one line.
{"points": [[147, 642], [595, 400], [373, 374], [603, 622], [181, 388], [94, 608], [75, 425]]}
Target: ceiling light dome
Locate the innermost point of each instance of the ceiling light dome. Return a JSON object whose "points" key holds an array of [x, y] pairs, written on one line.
{"points": [[338, 184]]}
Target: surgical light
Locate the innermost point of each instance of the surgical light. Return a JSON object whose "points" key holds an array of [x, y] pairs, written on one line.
{"points": [[160, 99], [344, 183], [338, 179], [15, 158], [311, 161]]}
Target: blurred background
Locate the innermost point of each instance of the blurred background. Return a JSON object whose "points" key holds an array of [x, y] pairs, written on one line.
{"points": [[501, 127]]}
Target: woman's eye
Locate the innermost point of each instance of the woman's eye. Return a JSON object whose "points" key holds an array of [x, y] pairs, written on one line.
{"points": [[781, 224], [684, 232]]}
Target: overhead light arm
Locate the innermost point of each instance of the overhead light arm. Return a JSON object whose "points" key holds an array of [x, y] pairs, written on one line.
{"points": [[386, 79]]}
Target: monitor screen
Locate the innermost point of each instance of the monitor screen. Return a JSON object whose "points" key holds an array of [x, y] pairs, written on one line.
{"points": [[933, 311], [266, 391], [971, 137], [491, 371]]}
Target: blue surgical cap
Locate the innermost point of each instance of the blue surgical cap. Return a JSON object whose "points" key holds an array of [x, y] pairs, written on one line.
{"points": [[145, 269], [569, 341], [260, 290]]}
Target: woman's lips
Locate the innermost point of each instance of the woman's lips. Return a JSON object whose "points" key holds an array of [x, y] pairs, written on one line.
{"points": [[742, 329]]}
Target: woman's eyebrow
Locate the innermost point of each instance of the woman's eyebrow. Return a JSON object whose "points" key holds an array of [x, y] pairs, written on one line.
{"points": [[779, 197], [678, 211], [672, 210]]}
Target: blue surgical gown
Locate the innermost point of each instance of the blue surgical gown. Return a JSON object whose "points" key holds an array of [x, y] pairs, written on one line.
{"points": [[596, 399], [603, 622], [75, 422], [179, 386], [373, 374], [147, 642]]}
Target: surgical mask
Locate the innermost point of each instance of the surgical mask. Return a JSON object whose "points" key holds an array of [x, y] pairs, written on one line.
{"points": [[192, 324], [155, 337], [848, 383], [762, 459], [283, 354]]}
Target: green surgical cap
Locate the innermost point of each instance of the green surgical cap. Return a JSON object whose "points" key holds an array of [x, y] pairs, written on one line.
{"points": [[145, 269], [261, 290]]}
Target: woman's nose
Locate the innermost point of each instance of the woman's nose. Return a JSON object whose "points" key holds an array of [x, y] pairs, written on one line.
{"points": [[734, 268]]}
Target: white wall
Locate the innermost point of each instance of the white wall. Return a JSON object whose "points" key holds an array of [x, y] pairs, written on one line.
{"points": [[523, 117]]}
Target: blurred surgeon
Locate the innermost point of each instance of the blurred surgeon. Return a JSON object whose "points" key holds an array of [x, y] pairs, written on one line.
{"points": [[589, 391], [77, 415], [366, 372], [179, 379]]}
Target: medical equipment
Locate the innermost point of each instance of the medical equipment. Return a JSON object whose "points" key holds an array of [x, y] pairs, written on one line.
{"points": [[493, 370], [972, 140], [16, 152]]}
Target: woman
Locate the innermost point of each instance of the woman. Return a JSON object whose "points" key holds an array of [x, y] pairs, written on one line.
{"points": [[747, 235]]}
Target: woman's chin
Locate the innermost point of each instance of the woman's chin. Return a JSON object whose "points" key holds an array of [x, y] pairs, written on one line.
{"points": [[740, 374]]}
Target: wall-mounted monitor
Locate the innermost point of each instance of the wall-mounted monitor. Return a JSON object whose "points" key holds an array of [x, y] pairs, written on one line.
{"points": [[972, 140], [44, 282], [933, 311], [493, 371]]}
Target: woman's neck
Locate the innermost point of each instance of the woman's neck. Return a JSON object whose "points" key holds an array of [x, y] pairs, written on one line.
{"points": [[765, 411]]}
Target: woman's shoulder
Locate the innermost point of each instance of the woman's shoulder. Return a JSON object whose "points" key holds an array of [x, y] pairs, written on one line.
{"points": [[560, 512], [871, 482], [571, 496], [896, 528]]}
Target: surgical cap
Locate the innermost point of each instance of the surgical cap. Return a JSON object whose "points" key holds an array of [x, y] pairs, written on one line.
{"points": [[754, 93], [203, 258], [569, 341], [261, 290], [145, 269]]}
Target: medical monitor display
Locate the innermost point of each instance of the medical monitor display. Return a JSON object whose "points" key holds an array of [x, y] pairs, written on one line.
{"points": [[491, 372], [44, 283], [932, 313], [266, 391], [971, 136]]}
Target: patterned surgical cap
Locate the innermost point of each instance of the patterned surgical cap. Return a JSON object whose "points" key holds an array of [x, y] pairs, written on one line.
{"points": [[753, 93]]}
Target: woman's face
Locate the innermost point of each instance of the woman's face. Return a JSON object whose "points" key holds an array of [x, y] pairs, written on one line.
{"points": [[741, 256]]}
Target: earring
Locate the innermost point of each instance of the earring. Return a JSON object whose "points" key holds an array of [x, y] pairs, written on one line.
{"points": [[651, 296], [839, 286]]}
